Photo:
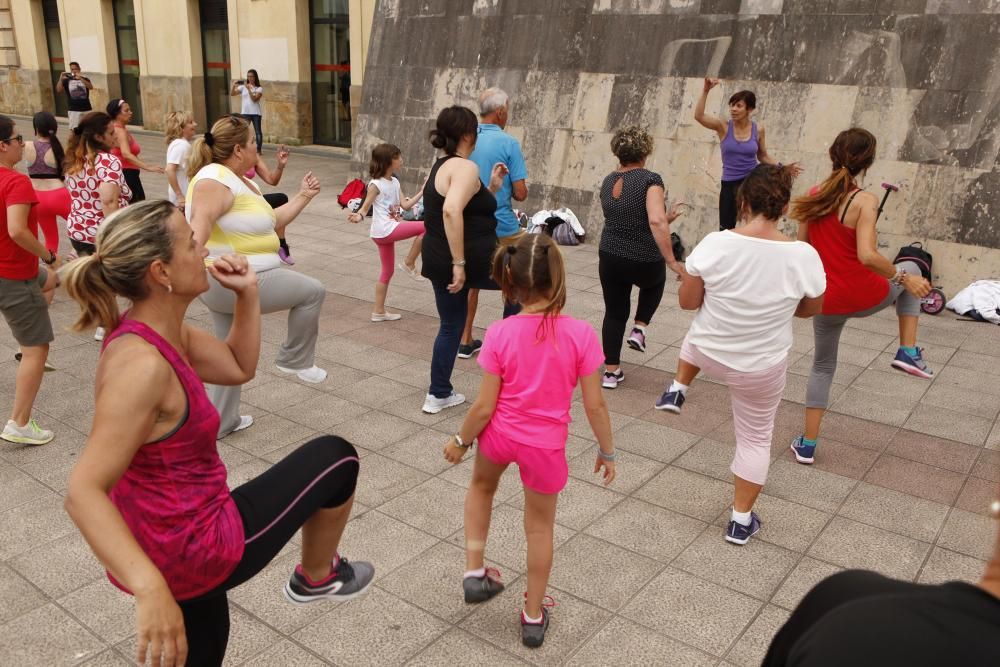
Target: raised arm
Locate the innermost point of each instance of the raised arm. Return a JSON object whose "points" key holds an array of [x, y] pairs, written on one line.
{"points": [[409, 202], [366, 205], [867, 245], [288, 212], [707, 120], [266, 174], [235, 90]]}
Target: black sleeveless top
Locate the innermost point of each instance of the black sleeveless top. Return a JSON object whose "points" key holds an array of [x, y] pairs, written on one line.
{"points": [[480, 227]]}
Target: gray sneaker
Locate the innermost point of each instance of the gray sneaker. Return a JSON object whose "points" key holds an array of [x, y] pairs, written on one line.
{"points": [[533, 634], [481, 589], [346, 583]]}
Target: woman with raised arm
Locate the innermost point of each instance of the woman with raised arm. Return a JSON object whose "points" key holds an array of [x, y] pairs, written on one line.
{"points": [[126, 148]]}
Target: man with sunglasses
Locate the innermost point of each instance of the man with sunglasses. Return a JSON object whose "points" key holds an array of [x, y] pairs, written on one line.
{"points": [[77, 89], [23, 286]]}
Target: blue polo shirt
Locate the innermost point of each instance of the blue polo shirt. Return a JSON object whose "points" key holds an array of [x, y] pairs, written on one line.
{"points": [[494, 145]]}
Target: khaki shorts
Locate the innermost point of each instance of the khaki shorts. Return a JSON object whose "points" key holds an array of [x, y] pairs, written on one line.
{"points": [[25, 309], [75, 117]]}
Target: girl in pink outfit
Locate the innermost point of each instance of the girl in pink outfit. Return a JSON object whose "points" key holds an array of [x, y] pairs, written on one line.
{"points": [[747, 284], [531, 364], [387, 203]]}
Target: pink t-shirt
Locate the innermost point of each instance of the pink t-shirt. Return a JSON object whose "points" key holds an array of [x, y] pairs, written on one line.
{"points": [[538, 374]]}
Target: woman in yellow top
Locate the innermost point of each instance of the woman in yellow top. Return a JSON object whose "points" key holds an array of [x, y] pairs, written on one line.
{"points": [[230, 216]]}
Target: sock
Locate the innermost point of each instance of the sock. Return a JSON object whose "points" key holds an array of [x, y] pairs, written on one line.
{"points": [[912, 351], [528, 619], [640, 327], [742, 518], [677, 386], [475, 574], [810, 443], [284, 244]]}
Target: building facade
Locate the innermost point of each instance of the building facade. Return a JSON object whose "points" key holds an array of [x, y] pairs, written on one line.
{"points": [[167, 55]]}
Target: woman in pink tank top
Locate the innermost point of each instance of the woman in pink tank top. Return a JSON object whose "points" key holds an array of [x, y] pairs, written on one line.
{"points": [[127, 149], [149, 491]]}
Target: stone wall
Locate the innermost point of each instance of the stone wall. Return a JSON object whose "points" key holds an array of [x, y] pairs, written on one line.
{"points": [[24, 91], [923, 75]]}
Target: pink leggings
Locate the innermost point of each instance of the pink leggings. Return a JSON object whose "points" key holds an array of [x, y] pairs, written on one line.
{"points": [[51, 203], [755, 397], [387, 246]]}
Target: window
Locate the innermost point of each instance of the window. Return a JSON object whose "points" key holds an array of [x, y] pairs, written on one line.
{"points": [[57, 63], [128, 56], [331, 72], [8, 47], [215, 51]]}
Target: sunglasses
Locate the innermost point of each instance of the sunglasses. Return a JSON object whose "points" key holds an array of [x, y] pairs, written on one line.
{"points": [[19, 139]]}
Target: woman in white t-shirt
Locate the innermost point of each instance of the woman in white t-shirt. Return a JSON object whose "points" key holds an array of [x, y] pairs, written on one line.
{"points": [[251, 92], [747, 284], [387, 203], [178, 132]]}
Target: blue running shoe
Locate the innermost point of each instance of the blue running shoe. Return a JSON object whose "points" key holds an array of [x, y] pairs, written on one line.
{"points": [[671, 401], [737, 533], [803, 453], [912, 363]]}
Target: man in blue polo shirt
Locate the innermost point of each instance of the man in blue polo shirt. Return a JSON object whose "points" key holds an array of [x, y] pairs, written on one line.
{"points": [[494, 145]]}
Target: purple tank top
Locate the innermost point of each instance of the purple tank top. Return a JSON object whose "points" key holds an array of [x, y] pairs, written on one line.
{"points": [[173, 495], [38, 168], [738, 157]]}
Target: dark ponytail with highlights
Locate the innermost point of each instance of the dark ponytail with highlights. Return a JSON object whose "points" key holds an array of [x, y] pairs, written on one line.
{"points": [[532, 270], [852, 152], [45, 126]]}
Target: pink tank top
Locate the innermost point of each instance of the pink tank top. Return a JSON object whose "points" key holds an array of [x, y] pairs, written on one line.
{"points": [[133, 146], [174, 496]]}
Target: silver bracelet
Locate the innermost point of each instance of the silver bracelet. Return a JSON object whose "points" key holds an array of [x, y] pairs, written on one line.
{"points": [[606, 457]]}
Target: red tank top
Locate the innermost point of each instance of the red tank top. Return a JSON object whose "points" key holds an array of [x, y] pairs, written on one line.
{"points": [[850, 285], [174, 496], [133, 146]]}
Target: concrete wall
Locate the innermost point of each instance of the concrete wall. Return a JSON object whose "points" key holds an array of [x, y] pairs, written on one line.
{"points": [[923, 75], [28, 87]]}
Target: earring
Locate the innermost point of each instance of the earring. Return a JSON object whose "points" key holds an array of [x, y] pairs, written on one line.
{"points": [[995, 509], [170, 288]]}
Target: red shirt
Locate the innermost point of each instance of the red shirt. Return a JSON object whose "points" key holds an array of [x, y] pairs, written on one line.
{"points": [[16, 263], [850, 285]]}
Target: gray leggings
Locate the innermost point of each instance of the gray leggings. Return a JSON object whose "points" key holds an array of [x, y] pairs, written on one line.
{"points": [[827, 330], [280, 289]]}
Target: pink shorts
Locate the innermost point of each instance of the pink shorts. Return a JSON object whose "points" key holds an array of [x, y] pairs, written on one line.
{"points": [[542, 470]]}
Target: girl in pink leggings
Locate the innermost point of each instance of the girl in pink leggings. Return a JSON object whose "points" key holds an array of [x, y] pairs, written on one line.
{"points": [[44, 160], [747, 284], [387, 203]]}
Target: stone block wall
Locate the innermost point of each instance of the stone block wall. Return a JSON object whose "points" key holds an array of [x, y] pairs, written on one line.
{"points": [[923, 75]]}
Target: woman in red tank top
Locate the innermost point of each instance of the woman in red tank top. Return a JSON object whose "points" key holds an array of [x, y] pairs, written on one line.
{"points": [[127, 149], [149, 492], [838, 218]]}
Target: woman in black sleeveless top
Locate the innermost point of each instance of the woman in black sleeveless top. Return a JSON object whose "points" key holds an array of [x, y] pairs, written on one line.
{"points": [[459, 241]]}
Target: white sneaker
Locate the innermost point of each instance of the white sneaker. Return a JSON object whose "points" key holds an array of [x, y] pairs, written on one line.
{"points": [[29, 434], [385, 317], [246, 421], [434, 405], [99, 333], [312, 375], [413, 273]]}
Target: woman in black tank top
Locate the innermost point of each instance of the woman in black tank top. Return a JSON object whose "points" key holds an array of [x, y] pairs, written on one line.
{"points": [[456, 253]]}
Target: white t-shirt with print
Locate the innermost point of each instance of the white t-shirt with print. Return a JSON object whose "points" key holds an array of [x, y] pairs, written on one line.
{"points": [[752, 288], [177, 153], [386, 212], [248, 106]]}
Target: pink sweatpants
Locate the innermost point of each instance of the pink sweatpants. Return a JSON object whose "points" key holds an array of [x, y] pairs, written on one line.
{"points": [[387, 246], [51, 203], [755, 397]]}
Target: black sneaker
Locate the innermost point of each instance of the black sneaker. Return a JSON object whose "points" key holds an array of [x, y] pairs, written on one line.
{"points": [[466, 351], [533, 634], [347, 582], [737, 533], [671, 401], [481, 589]]}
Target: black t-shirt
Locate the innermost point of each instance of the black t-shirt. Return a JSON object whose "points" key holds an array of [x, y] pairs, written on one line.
{"points": [[77, 93], [859, 618], [627, 233], [480, 233]]}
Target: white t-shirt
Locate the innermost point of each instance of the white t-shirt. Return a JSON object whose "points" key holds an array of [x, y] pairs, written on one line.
{"points": [[386, 212], [177, 153], [248, 106], [752, 288]]}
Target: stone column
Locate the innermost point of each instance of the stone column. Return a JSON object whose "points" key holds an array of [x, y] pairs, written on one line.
{"points": [[26, 87], [362, 17], [172, 78]]}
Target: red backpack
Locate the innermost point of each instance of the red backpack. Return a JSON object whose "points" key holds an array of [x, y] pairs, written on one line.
{"points": [[353, 190]]}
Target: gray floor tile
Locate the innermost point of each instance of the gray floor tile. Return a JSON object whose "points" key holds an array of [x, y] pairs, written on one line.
{"points": [[934, 451], [709, 457], [285, 654], [944, 565], [806, 574], [580, 503], [247, 637], [46, 636], [949, 424], [384, 630], [755, 569], [384, 479], [506, 543], [756, 639], [434, 507], [894, 511], [31, 524], [855, 545], [783, 523], [109, 658], [384, 541], [916, 479], [106, 611], [968, 533], [808, 486], [422, 448], [631, 470], [581, 566], [457, 647], [703, 614], [688, 493], [17, 488], [647, 529], [17, 596], [622, 642]]}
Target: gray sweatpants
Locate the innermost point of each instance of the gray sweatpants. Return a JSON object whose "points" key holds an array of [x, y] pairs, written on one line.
{"points": [[280, 289], [827, 330]]}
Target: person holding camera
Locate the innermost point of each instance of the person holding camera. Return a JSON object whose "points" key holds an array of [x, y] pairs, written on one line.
{"points": [[251, 92], [77, 89]]}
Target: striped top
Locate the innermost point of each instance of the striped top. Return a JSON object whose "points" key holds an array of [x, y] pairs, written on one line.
{"points": [[247, 228]]}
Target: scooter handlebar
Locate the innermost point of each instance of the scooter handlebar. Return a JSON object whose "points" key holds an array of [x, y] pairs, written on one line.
{"points": [[890, 187]]}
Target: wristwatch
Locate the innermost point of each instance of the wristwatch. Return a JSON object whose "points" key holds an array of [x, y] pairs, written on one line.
{"points": [[51, 260], [461, 443]]}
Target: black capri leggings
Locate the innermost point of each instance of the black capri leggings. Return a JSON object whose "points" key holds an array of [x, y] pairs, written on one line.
{"points": [[320, 474], [727, 204], [618, 275], [134, 184], [276, 199]]}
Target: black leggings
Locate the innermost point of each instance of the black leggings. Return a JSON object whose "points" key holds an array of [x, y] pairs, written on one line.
{"points": [[83, 249], [618, 275], [727, 204], [276, 199], [134, 184], [320, 474]]}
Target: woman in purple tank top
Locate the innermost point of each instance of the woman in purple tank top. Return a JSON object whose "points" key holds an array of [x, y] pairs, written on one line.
{"points": [[742, 143], [149, 491]]}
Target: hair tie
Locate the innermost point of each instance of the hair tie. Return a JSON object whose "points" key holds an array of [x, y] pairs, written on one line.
{"points": [[209, 139], [78, 131], [511, 249], [545, 249]]}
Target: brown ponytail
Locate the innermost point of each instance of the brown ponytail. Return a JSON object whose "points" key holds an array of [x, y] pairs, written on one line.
{"points": [[532, 269], [852, 152], [218, 144]]}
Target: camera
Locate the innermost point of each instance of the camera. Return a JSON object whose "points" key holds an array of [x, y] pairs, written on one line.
{"points": [[240, 82]]}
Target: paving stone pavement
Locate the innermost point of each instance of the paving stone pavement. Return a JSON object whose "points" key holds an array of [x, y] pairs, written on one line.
{"points": [[642, 575]]}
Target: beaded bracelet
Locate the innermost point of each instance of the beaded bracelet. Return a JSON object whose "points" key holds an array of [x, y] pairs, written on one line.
{"points": [[606, 457]]}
